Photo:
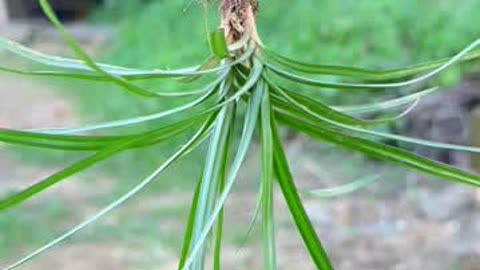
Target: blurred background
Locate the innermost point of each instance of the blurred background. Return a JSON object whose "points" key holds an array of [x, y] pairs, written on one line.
{"points": [[403, 221]]}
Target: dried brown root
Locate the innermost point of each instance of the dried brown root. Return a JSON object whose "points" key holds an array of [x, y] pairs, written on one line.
{"points": [[238, 19]]}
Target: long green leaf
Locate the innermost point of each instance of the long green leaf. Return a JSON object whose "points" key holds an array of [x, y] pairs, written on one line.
{"points": [[221, 187], [341, 114], [245, 140], [378, 150], [325, 118], [251, 81], [85, 70], [268, 224], [90, 143], [210, 63], [312, 82], [53, 73], [259, 201], [315, 106], [187, 236], [199, 136], [387, 104], [97, 78], [359, 73], [120, 81], [289, 190], [255, 214], [212, 174], [81, 166], [139, 119], [57, 61], [343, 189], [61, 142]]}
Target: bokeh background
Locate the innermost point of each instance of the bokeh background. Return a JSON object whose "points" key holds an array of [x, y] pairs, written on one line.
{"points": [[403, 221]]}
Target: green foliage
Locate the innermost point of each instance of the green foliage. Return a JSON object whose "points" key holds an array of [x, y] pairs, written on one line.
{"points": [[367, 33], [259, 86], [150, 48]]}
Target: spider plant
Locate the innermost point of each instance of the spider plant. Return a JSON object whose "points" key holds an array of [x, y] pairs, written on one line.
{"points": [[243, 78]]}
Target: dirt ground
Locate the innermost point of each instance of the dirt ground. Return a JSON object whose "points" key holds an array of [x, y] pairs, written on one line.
{"points": [[404, 226]]}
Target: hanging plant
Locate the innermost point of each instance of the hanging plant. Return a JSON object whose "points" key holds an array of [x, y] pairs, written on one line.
{"points": [[247, 77]]}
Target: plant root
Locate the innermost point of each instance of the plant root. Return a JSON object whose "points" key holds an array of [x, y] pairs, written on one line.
{"points": [[238, 19]]}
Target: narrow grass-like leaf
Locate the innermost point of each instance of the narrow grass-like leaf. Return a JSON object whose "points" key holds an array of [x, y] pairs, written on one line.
{"points": [[219, 230], [256, 213], [213, 171], [56, 61], [405, 112], [120, 81], [85, 70], [358, 109], [366, 86], [359, 73], [139, 119], [326, 120], [315, 106], [245, 140], [224, 170], [378, 150], [185, 149], [210, 63], [300, 217], [339, 116], [90, 143], [97, 78], [258, 207], [252, 80], [187, 236], [53, 73], [340, 113], [343, 189], [80, 166], [60, 142], [218, 236], [387, 104], [268, 224]]}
